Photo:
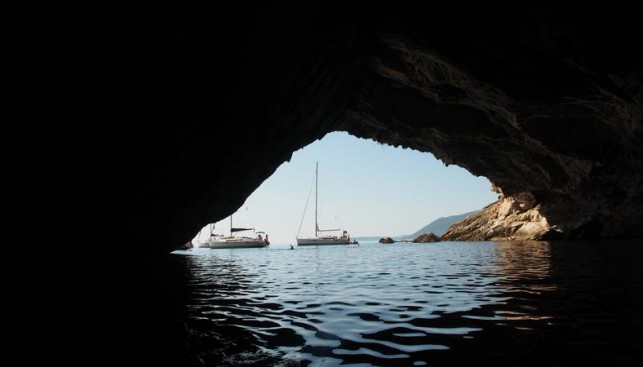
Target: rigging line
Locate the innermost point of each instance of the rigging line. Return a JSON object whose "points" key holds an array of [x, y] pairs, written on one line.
{"points": [[307, 200]]}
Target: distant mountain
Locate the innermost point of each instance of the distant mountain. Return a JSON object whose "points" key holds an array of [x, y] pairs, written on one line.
{"points": [[439, 226]]}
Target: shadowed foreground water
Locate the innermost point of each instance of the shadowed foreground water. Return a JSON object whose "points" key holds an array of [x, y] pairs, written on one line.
{"points": [[434, 304]]}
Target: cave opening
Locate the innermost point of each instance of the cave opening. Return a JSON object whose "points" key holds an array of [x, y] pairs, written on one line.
{"points": [[369, 188], [541, 101]]}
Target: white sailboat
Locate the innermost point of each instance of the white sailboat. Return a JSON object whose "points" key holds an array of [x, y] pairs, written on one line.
{"points": [[344, 239], [217, 241]]}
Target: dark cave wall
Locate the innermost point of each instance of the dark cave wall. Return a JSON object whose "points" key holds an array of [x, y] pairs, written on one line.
{"points": [[557, 148], [544, 99], [534, 96], [220, 113]]}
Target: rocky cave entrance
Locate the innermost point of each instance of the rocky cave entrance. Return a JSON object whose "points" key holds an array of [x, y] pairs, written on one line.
{"points": [[534, 96], [369, 188]]}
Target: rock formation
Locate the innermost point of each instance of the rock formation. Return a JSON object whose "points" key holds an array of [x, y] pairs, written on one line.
{"points": [[532, 96], [545, 99], [509, 218], [386, 240], [426, 237]]}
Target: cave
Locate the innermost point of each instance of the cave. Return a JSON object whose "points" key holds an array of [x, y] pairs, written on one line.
{"points": [[543, 99]]}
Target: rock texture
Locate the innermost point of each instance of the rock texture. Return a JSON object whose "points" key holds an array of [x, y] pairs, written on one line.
{"points": [[386, 240], [532, 96], [426, 237], [558, 149], [510, 218]]}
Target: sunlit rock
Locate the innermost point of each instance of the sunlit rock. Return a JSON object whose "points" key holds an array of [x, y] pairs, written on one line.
{"points": [[426, 237]]}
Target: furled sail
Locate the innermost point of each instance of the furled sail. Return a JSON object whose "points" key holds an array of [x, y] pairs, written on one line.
{"points": [[236, 229]]}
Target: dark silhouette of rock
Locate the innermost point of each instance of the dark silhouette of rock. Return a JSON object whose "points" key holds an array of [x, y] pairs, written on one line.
{"points": [[188, 245], [532, 95], [386, 240], [426, 237]]}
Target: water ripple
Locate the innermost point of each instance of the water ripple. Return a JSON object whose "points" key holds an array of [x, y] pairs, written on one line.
{"points": [[412, 305]]}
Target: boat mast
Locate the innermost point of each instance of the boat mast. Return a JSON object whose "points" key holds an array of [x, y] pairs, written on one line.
{"points": [[316, 175]]}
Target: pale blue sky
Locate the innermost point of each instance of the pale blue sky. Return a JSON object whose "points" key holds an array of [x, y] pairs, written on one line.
{"points": [[366, 188]]}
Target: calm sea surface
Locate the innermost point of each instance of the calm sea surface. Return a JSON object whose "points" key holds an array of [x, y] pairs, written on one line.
{"points": [[404, 304]]}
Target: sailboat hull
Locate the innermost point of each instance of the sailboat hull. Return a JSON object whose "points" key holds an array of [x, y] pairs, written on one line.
{"points": [[322, 241], [234, 242]]}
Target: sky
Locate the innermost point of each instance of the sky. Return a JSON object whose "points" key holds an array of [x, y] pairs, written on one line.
{"points": [[365, 188]]}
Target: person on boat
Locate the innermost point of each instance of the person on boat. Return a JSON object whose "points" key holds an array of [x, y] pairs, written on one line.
{"points": [[259, 237], [266, 241], [346, 236]]}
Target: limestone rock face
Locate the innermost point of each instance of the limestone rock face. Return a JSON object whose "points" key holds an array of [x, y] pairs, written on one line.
{"points": [[426, 237], [506, 219]]}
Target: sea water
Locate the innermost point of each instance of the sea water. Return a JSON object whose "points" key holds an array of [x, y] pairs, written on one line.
{"points": [[405, 304]]}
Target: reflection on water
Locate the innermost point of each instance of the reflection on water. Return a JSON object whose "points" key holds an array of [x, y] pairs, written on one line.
{"points": [[439, 304]]}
